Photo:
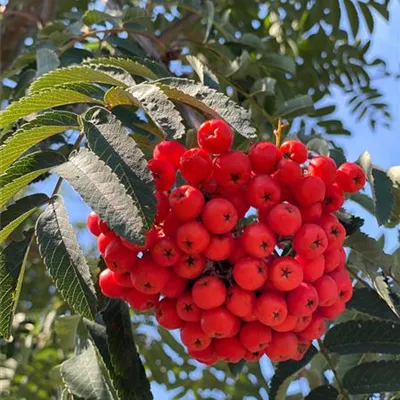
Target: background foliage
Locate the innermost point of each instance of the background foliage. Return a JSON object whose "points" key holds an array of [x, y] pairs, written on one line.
{"points": [[116, 78]]}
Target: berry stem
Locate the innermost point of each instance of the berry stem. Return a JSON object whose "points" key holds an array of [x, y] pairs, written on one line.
{"points": [[340, 386], [278, 132]]}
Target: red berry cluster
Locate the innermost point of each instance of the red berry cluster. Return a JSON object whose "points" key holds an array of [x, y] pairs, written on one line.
{"points": [[235, 290]]}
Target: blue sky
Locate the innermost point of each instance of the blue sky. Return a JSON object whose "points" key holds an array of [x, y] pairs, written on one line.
{"points": [[383, 145]]}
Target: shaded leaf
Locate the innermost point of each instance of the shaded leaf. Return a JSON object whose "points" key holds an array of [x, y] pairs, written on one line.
{"points": [[65, 327], [210, 19], [64, 259], [236, 368], [104, 193], [206, 76], [369, 19], [93, 17], [352, 15], [281, 62], [350, 222], [325, 392], [300, 105], [319, 146], [46, 60]]}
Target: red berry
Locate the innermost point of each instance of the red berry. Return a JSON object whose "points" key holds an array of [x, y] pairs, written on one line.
{"points": [[288, 171], [229, 349], [264, 157], [186, 202], [238, 199], [192, 237], [240, 301], [190, 266], [103, 241], [311, 214], [333, 311], [263, 192], [343, 282], [258, 240], [141, 301], [249, 317], [218, 322], [303, 300], [215, 136], [350, 177], [219, 216], [302, 348], [334, 198], [250, 273], [162, 207], [314, 330], [309, 190], [238, 251], [169, 150], [187, 309], [175, 286], [332, 259], [302, 323], [310, 241], [271, 309], [93, 224], [294, 150], [109, 286], [284, 219], [327, 290], [323, 167], [166, 314], [283, 346], [232, 170], [207, 355], [255, 336], [150, 238], [148, 277], [123, 279], [285, 273], [287, 325], [196, 165], [171, 225], [253, 357], [312, 269], [334, 230], [220, 247], [193, 337], [105, 229], [209, 292], [165, 252], [163, 174], [118, 258]]}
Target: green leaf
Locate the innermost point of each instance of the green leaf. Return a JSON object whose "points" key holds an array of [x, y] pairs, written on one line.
{"points": [[300, 105], [111, 143], [206, 76], [25, 171], [281, 62], [129, 376], [117, 96], [319, 146], [18, 212], [93, 17], [210, 102], [43, 127], [352, 15], [325, 392], [284, 373], [41, 101], [12, 268], [104, 193], [236, 368], [75, 74], [65, 328], [46, 60], [369, 19], [364, 337], [373, 377], [350, 222], [83, 376], [210, 19], [64, 259], [367, 301], [383, 195], [264, 86], [160, 109]]}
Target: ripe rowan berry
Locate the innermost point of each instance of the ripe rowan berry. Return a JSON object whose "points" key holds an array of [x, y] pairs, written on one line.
{"points": [[332, 259], [312, 269], [271, 308], [232, 170], [195, 165], [186, 202], [342, 255], [255, 336], [240, 301], [123, 279], [284, 219], [250, 317], [190, 265], [236, 327], [229, 349], [327, 290], [287, 325], [350, 177], [103, 241], [263, 192], [302, 323], [148, 277], [218, 322], [109, 286], [258, 240], [175, 286], [334, 198], [314, 330], [220, 247], [334, 230], [151, 237], [215, 136], [209, 292], [253, 357], [310, 241], [192, 237], [285, 273], [171, 225], [302, 348], [309, 190], [105, 229], [118, 258], [93, 221], [311, 214], [303, 300], [193, 337], [333, 311], [283, 346], [166, 314], [141, 301], [206, 355], [288, 172], [324, 167], [163, 174], [219, 216], [238, 251], [162, 207], [165, 252], [294, 150], [343, 282], [238, 199], [264, 157], [187, 309], [250, 273], [169, 150]]}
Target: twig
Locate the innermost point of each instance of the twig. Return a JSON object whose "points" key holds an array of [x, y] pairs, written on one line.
{"points": [[325, 353], [278, 132]]}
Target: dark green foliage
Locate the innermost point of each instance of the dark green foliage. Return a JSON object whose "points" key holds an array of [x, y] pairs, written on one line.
{"points": [[326, 392]]}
